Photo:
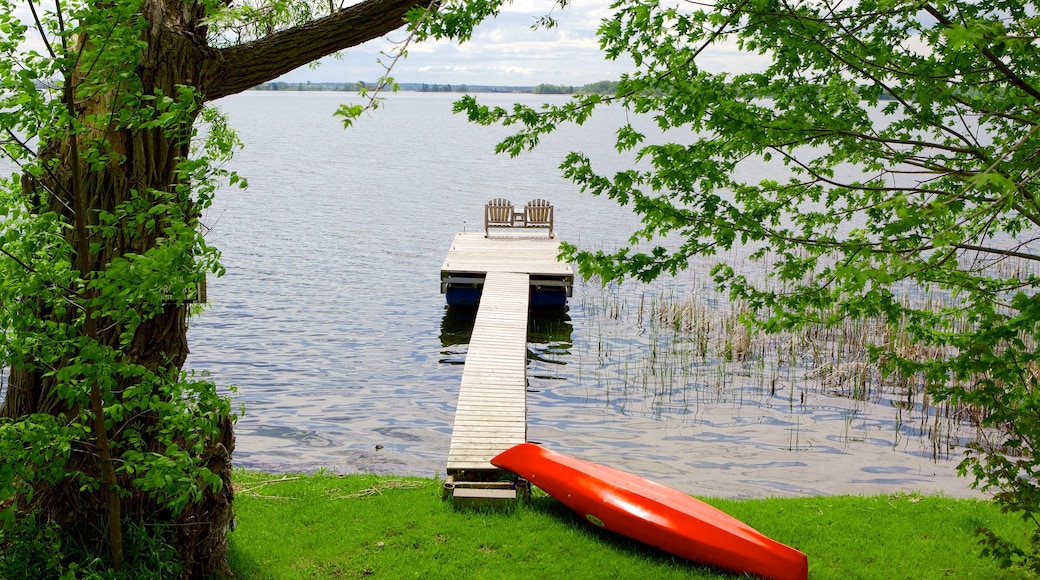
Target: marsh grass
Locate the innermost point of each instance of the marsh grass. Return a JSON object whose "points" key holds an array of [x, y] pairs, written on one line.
{"points": [[328, 526], [690, 345]]}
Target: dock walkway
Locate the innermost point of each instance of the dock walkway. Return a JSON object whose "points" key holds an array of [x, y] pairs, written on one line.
{"points": [[491, 415]]}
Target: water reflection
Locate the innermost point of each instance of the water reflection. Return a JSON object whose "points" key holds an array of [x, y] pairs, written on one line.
{"points": [[456, 330], [457, 326], [550, 327]]}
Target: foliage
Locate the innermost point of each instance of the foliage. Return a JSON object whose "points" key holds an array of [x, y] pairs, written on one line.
{"points": [[28, 549], [899, 142], [547, 89], [49, 302], [31, 549], [601, 87]]}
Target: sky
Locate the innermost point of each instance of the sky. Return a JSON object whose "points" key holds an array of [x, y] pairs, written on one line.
{"points": [[503, 51]]}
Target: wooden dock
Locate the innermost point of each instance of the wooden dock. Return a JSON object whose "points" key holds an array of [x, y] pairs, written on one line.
{"points": [[491, 415]]}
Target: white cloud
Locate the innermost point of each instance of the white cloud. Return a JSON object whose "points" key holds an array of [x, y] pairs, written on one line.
{"points": [[507, 51], [503, 51]]}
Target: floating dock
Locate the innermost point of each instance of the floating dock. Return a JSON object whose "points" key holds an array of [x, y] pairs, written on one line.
{"points": [[473, 255], [505, 273]]}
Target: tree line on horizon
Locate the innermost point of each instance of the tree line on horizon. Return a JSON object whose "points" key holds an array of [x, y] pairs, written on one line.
{"points": [[599, 87]]}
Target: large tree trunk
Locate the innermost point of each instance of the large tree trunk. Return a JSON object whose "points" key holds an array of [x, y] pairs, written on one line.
{"points": [[175, 54], [144, 161]]}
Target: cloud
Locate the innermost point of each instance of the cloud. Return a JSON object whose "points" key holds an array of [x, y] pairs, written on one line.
{"points": [[508, 51], [503, 51]]}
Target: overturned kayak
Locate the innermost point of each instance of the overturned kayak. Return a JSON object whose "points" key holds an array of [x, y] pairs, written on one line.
{"points": [[653, 513]]}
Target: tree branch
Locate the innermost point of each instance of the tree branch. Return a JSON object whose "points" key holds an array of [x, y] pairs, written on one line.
{"points": [[998, 251], [238, 68], [1009, 74]]}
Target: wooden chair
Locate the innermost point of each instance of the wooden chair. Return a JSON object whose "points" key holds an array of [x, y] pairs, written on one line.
{"points": [[498, 213], [538, 213]]}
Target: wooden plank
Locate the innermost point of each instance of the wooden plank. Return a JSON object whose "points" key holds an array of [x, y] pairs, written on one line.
{"points": [[461, 467], [510, 408], [484, 406], [472, 497], [491, 427], [507, 412], [473, 431], [476, 450], [471, 440], [489, 430]]}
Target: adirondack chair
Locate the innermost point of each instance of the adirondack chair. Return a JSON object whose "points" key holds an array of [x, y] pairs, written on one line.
{"points": [[498, 213], [538, 213]]}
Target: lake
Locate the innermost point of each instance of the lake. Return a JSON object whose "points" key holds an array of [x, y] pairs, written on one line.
{"points": [[330, 323]]}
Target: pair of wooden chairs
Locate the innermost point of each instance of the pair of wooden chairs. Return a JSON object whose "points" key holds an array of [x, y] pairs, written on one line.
{"points": [[500, 213]]}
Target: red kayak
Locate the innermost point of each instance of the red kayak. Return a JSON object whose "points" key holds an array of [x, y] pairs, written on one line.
{"points": [[654, 514]]}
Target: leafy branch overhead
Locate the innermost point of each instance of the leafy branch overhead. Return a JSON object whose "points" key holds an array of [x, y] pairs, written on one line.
{"points": [[869, 154]]}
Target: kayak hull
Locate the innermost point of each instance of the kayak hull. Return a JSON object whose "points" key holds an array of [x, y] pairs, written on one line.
{"points": [[653, 514]]}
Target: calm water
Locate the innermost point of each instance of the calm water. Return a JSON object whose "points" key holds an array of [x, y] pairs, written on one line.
{"points": [[330, 323]]}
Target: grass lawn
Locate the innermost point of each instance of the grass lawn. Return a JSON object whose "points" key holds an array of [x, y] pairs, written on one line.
{"points": [[325, 526]]}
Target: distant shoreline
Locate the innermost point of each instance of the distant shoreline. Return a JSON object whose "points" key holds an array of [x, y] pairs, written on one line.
{"points": [[543, 89]]}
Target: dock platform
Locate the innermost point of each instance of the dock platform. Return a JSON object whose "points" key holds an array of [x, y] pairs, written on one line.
{"points": [[472, 255]]}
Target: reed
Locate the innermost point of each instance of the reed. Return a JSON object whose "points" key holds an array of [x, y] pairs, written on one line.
{"points": [[692, 347]]}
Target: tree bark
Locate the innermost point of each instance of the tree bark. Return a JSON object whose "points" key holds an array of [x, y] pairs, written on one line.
{"points": [[242, 67], [176, 54]]}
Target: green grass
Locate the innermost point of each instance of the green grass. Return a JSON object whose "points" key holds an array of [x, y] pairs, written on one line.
{"points": [[325, 526]]}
